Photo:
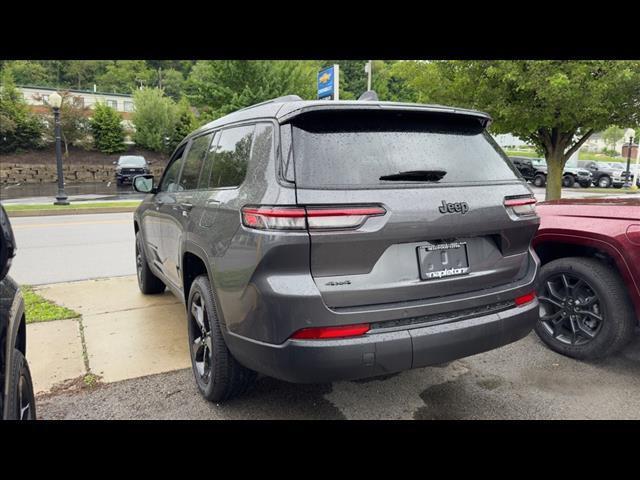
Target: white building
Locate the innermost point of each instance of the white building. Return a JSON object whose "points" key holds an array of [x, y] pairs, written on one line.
{"points": [[38, 98], [506, 140]]}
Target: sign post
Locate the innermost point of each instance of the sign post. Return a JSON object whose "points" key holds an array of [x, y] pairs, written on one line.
{"points": [[329, 83]]}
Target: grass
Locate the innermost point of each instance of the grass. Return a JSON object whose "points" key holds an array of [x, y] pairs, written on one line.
{"points": [[50, 206], [598, 157], [39, 309], [608, 191]]}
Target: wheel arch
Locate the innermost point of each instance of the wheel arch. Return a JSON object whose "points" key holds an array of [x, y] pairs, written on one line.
{"points": [[550, 247], [195, 261]]}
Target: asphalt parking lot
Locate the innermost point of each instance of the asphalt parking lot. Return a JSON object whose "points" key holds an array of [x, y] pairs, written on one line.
{"points": [[523, 380]]}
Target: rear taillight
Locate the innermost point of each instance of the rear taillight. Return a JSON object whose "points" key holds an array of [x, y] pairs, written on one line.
{"points": [[521, 206], [524, 299], [316, 218], [322, 333]]}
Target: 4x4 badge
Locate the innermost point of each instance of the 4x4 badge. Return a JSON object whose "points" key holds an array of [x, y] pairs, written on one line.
{"points": [[458, 207]]}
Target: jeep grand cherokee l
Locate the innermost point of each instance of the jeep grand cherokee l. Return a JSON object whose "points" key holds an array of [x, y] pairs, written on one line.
{"points": [[314, 241]]}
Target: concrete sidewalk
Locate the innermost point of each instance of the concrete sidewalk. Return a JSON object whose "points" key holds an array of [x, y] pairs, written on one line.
{"points": [[122, 334]]}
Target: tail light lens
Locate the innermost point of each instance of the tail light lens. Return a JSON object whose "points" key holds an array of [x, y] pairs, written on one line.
{"points": [[316, 218], [521, 206], [322, 333], [524, 299]]}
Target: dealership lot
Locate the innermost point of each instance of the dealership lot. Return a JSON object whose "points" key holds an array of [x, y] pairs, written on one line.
{"points": [[523, 380], [137, 347]]}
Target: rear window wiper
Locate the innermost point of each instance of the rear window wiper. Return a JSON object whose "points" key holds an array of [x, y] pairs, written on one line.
{"points": [[416, 176]]}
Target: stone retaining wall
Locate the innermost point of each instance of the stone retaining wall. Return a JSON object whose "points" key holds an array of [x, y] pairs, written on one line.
{"points": [[12, 173]]}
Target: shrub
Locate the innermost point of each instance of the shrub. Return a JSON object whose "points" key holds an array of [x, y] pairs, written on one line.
{"points": [[108, 134], [154, 119]]}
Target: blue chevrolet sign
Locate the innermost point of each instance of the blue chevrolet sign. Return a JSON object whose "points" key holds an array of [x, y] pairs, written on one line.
{"points": [[327, 83]]}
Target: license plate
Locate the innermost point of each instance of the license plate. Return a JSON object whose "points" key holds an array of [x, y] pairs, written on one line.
{"points": [[443, 260]]}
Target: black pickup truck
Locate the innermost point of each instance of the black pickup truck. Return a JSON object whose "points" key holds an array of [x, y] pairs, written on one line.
{"points": [[534, 170]]}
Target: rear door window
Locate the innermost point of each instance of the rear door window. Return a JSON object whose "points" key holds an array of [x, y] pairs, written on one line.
{"points": [[193, 162], [231, 157], [355, 149], [169, 181]]}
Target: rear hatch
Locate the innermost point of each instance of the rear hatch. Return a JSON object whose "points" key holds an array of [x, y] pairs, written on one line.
{"points": [[441, 183]]}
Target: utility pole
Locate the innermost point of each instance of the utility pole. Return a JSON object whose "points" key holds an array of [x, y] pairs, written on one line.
{"points": [[368, 68]]}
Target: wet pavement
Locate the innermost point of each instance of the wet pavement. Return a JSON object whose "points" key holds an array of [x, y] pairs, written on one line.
{"points": [[78, 192]]}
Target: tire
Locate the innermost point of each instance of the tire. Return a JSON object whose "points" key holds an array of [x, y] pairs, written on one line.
{"points": [[604, 181], [608, 300], [21, 401], [568, 181], [540, 180], [148, 283], [218, 374]]}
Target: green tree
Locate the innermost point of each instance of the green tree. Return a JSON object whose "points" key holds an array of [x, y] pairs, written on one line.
{"points": [[185, 124], [19, 128], [219, 87], [29, 73], [106, 127], [125, 76], [74, 122], [172, 82], [611, 135], [154, 119], [82, 74], [554, 105]]}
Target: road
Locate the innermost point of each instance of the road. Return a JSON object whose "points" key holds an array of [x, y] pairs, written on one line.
{"points": [[523, 380], [73, 247]]}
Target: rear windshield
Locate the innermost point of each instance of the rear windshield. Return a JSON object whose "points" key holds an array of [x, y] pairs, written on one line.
{"points": [[355, 149]]}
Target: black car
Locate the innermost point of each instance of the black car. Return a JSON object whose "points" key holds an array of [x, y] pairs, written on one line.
{"points": [[534, 170], [128, 166], [17, 400]]}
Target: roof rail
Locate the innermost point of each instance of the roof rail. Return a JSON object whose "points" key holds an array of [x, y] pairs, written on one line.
{"points": [[285, 98]]}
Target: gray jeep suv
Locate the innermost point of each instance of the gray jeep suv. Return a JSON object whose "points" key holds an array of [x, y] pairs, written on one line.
{"points": [[313, 241]]}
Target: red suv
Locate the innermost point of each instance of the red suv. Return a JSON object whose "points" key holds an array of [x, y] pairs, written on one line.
{"points": [[589, 285]]}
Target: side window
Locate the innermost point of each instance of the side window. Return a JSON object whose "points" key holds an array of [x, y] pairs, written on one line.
{"points": [[193, 162], [231, 157], [208, 162], [170, 179]]}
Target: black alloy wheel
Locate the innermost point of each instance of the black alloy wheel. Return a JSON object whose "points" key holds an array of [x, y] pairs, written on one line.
{"points": [[200, 340], [570, 310]]}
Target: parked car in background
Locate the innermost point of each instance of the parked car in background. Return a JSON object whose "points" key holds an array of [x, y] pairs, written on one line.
{"points": [[607, 174], [17, 400], [535, 170], [377, 237], [128, 166], [589, 285]]}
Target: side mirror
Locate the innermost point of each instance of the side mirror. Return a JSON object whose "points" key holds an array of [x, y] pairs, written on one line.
{"points": [[7, 243], [143, 184], [115, 163]]}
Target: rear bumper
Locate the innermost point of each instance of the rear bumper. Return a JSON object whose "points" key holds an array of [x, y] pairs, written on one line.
{"points": [[373, 354]]}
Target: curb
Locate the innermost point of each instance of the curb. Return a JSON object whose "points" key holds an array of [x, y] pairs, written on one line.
{"points": [[71, 211]]}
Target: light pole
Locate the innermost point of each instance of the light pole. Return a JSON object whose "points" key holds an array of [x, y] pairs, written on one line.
{"points": [[55, 100], [629, 178]]}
